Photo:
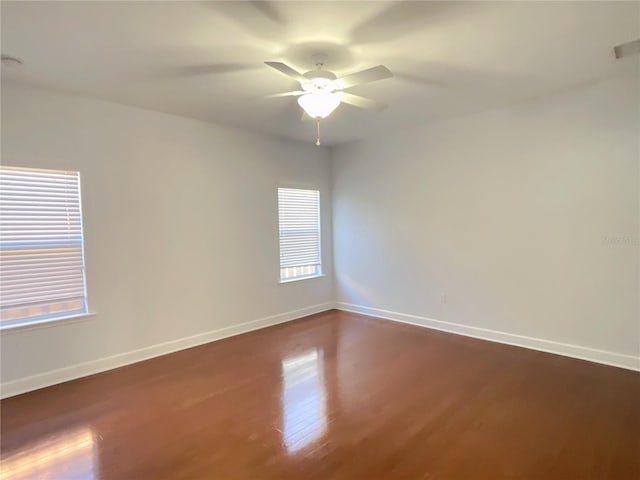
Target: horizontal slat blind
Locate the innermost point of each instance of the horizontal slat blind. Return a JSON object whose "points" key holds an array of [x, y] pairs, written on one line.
{"points": [[41, 245], [299, 214]]}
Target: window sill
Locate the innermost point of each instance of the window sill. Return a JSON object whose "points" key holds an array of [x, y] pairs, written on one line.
{"points": [[45, 323], [297, 279]]}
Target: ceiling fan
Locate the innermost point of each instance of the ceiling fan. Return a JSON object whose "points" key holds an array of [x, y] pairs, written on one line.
{"points": [[322, 91]]}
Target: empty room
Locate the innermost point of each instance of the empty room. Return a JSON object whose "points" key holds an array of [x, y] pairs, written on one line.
{"points": [[341, 240]]}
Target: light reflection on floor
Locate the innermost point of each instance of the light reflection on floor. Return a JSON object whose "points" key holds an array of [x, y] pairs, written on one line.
{"points": [[304, 407], [69, 456]]}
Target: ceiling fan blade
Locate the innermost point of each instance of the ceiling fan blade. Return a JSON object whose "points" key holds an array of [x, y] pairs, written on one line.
{"points": [[362, 102], [287, 70], [365, 76], [626, 49], [294, 93]]}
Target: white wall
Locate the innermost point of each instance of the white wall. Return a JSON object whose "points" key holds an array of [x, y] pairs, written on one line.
{"points": [[526, 218], [181, 228]]}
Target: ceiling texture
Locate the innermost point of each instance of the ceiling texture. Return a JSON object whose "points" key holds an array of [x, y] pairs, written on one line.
{"points": [[205, 59]]}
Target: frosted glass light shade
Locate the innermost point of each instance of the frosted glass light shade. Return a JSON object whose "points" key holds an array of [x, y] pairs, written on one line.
{"points": [[319, 104]]}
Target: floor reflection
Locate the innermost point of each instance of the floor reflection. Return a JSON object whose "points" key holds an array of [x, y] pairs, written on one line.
{"points": [[69, 456], [304, 403]]}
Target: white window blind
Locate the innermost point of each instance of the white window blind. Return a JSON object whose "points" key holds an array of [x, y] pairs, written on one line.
{"points": [[299, 214], [41, 245]]}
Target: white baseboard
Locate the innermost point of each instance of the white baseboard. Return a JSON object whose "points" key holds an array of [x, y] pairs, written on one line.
{"points": [[575, 351], [72, 372]]}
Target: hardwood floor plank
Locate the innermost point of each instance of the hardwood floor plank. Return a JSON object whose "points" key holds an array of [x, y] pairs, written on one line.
{"points": [[333, 396]]}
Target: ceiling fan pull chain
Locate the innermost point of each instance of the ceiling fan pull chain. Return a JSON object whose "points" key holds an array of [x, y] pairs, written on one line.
{"points": [[318, 137]]}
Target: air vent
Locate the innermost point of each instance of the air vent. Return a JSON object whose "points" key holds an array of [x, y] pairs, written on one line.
{"points": [[626, 49]]}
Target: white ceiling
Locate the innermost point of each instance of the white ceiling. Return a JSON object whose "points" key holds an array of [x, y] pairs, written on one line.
{"points": [[204, 59]]}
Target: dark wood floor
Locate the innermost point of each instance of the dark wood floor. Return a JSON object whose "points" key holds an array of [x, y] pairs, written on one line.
{"points": [[333, 396]]}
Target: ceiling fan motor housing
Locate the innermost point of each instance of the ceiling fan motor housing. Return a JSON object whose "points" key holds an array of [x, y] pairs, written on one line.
{"points": [[318, 80]]}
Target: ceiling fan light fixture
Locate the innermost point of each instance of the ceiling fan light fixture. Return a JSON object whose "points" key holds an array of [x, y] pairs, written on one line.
{"points": [[320, 104]]}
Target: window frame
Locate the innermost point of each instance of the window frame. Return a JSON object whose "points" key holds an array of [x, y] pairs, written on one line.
{"points": [[298, 186], [65, 317]]}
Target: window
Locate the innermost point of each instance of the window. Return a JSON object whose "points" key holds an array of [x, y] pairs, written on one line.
{"points": [[299, 214], [41, 246]]}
